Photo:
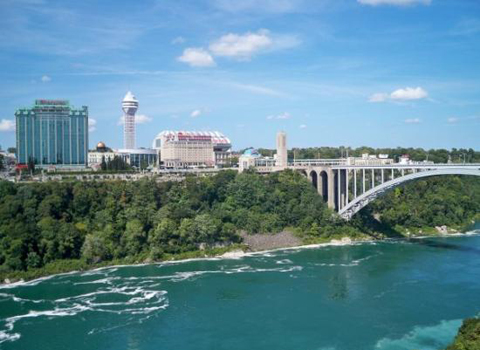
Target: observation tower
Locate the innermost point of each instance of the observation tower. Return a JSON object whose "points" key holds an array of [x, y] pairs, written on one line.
{"points": [[129, 107]]}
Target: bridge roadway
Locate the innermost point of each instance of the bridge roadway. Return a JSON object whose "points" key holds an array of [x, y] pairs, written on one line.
{"points": [[347, 188]]}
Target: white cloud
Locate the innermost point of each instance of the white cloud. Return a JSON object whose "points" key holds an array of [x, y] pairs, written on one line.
{"points": [[413, 121], [238, 46], [452, 120], [7, 125], [244, 46], [46, 79], [139, 119], [196, 113], [394, 2], [142, 119], [303, 126], [378, 97], [284, 115], [197, 57], [241, 46], [178, 40], [409, 94], [405, 94], [92, 124]]}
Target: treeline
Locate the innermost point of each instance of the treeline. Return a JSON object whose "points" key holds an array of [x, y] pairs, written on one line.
{"points": [[115, 164], [98, 221], [441, 200], [417, 154], [95, 222]]}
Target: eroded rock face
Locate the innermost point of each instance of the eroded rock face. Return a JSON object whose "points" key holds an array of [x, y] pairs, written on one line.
{"points": [[344, 240], [235, 254], [270, 241], [442, 229]]}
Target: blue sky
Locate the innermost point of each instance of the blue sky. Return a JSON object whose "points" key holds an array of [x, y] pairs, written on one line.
{"points": [[381, 73]]}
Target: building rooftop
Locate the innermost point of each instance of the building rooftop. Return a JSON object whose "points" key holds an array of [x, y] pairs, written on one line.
{"points": [[216, 137], [251, 152], [129, 97]]}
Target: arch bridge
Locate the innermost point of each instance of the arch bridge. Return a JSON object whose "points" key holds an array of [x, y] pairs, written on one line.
{"points": [[349, 188]]}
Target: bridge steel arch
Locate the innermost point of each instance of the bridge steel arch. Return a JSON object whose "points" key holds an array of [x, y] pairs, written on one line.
{"points": [[364, 199]]}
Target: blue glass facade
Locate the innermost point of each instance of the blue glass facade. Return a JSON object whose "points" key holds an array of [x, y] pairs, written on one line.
{"points": [[139, 157], [52, 133]]}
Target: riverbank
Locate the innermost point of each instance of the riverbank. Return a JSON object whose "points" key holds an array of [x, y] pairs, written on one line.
{"points": [[253, 245], [352, 285]]}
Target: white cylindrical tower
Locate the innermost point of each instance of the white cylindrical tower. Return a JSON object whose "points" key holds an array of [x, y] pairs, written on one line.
{"points": [[282, 153], [129, 107]]}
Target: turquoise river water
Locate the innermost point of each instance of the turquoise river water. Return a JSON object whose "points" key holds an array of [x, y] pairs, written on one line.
{"points": [[386, 295]]}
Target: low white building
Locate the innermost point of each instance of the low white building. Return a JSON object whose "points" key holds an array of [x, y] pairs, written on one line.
{"points": [[370, 159], [134, 157], [247, 159], [138, 157], [101, 152]]}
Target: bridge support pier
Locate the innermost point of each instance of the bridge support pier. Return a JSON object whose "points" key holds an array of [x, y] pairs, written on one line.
{"points": [[338, 189], [331, 188]]}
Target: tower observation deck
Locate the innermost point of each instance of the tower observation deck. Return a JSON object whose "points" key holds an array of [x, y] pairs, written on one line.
{"points": [[129, 107]]}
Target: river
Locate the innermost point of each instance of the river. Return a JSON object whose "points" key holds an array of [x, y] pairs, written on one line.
{"points": [[384, 295]]}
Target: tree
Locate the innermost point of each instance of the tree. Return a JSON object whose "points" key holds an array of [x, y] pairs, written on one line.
{"points": [[94, 249], [162, 234], [33, 260], [103, 164], [206, 228], [468, 337], [134, 238], [31, 165], [12, 150]]}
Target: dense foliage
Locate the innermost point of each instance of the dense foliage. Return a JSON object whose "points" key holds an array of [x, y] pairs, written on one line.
{"points": [[98, 221], [94, 222], [115, 164], [468, 337], [442, 200]]}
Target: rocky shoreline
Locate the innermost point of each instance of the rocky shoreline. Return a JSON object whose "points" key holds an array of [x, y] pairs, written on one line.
{"points": [[262, 243], [259, 242]]}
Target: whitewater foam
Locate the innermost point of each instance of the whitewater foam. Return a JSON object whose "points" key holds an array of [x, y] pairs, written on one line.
{"points": [[423, 337]]}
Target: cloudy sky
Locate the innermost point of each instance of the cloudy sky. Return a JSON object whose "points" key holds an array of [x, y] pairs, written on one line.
{"points": [[328, 72]]}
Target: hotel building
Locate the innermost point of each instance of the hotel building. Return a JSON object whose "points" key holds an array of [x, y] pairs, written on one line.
{"points": [[52, 133]]}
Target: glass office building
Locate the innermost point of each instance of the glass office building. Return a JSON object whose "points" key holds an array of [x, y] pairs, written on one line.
{"points": [[138, 157], [52, 133]]}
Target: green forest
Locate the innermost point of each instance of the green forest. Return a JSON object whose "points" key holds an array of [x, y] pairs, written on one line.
{"points": [[468, 337], [59, 226]]}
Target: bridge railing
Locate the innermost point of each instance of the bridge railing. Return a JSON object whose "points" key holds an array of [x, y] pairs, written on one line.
{"points": [[409, 166], [316, 162]]}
